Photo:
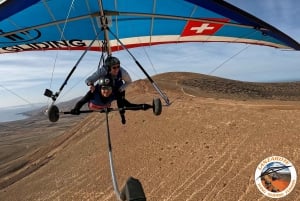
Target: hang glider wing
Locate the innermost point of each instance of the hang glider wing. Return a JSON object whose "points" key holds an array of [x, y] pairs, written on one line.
{"points": [[72, 24]]}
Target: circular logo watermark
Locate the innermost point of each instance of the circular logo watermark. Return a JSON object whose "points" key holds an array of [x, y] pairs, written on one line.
{"points": [[275, 177]]}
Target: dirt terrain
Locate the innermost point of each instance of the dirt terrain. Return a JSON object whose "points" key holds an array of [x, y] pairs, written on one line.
{"points": [[205, 146]]}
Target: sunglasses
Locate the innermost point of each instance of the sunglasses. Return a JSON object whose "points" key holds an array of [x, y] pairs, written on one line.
{"points": [[115, 67]]}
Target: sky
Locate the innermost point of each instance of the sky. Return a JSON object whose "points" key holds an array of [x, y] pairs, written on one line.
{"points": [[25, 76]]}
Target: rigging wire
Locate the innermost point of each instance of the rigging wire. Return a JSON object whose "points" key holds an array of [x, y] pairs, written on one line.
{"points": [[149, 59], [236, 54], [92, 21], [151, 30], [224, 62], [85, 76], [101, 60], [54, 96], [102, 49], [17, 95], [131, 71], [61, 36], [161, 93], [76, 84]]}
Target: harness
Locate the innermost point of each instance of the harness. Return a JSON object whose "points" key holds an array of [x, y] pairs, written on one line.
{"points": [[117, 81], [98, 101]]}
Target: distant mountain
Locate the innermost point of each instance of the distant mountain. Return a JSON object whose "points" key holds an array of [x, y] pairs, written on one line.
{"points": [[67, 105], [206, 86], [211, 86]]}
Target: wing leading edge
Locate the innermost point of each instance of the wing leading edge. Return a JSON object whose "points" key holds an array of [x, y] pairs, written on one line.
{"points": [[71, 25]]}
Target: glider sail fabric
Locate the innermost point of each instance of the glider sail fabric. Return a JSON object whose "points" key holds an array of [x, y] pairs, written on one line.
{"points": [[35, 25]]}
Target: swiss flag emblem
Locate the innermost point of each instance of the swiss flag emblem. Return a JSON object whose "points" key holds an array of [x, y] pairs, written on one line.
{"points": [[202, 28]]}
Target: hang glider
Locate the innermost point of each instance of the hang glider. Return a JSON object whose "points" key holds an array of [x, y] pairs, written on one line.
{"points": [[34, 25]]}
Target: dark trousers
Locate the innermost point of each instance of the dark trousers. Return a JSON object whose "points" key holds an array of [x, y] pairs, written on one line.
{"points": [[88, 96], [121, 102], [120, 96]]}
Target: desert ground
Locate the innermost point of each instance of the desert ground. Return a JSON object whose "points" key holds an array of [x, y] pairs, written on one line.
{"points": [[205, 146]]}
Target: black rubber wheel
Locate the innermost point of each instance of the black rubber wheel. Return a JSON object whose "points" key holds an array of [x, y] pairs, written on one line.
{"points": [[53, 113], [157, 106]]}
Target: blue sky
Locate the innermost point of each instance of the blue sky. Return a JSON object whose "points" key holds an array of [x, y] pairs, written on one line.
{"points": [[24, 76]]}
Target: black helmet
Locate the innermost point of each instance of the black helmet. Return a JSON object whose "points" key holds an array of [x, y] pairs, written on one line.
{"points": [[111, 61], [105, 82]]}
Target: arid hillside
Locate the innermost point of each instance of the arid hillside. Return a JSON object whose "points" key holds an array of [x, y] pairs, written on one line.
{"points": [[205, 146]]}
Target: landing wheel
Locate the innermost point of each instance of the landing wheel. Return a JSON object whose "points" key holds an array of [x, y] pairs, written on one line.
{"points": [[53, 113], [157, 106]]}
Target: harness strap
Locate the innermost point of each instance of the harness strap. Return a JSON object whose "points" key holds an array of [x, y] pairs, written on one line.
{"points": [[93, 106]]}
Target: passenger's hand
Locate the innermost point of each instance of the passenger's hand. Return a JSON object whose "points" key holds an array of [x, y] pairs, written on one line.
{"points": [[122, 88]]}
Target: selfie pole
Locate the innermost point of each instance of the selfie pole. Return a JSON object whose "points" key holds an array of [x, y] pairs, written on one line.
{"points": [[133, 189], [111, 163]]}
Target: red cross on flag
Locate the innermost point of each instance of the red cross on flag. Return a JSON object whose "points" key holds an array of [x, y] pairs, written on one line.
{"points": [[202, 28]]}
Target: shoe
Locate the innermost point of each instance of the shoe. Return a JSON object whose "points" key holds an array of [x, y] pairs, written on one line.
{"points": [[123, 119]]}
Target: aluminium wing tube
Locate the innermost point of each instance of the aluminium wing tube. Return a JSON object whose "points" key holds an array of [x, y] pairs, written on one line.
{"points": [[112, 170]]}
